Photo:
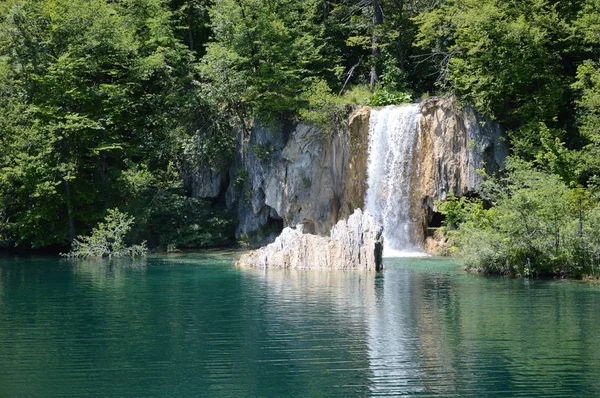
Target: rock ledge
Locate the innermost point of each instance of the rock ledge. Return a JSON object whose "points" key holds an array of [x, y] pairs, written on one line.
{"points": [[353, 244]]}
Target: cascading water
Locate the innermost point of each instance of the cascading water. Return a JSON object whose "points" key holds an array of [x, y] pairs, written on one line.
{"points": [[394, 138]]}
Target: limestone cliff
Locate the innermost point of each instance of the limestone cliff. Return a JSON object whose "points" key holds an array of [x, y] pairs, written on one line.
{"points": [[353, 244], [287, 175], [299, 175], [356, 152], [455, 144], [206, 182]]}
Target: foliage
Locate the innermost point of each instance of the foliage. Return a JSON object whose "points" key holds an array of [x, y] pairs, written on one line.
{"points": [[537, 226], [97, 103], [212, 140], [171, 219], [324, 109], [108, 239], [270, 58], [587, 85], [191, 22], [459, 210], [382, 97], [554, 157], [263, 54], [514, 61], [385, 47], [358, 95]]}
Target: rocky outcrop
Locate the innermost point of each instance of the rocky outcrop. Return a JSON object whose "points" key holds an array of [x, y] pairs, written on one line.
{"points": [[257, 177], [353, 244], [206, 182], [455, 144], [294, 175]]}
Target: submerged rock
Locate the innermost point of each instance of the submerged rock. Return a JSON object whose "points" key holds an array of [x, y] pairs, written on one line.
{"points": [[353, 244]]}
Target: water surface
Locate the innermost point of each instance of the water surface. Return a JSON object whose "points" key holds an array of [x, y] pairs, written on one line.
{"points": [[193, 325]]}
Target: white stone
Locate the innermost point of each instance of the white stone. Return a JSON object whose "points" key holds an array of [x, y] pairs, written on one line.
{"points": [[353, 244]]}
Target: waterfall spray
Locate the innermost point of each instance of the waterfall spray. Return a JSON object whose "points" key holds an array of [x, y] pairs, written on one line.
{"points": [[393, 163]]}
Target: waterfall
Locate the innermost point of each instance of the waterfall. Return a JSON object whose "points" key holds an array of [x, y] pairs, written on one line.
{"points": [[393, 165]]}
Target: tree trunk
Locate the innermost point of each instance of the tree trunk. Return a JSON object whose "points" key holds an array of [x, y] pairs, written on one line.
{"points": [[400, 43], [375, 49], [191, 33], [69, 211]]}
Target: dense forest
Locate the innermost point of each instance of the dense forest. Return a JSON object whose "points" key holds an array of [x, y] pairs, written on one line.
{"points": [[108, 104]]}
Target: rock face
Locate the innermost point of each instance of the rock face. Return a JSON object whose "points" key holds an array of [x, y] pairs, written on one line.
{"points": [[455, 144], [353, 244], [295, 174], [206, 182], [356, 152], [257, 178]]}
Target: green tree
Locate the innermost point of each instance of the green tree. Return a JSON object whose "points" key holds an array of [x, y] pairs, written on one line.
{"points": [[89, 89], [264, 55], [587, 86], [513, 60], [108, 239], [374, 42]]}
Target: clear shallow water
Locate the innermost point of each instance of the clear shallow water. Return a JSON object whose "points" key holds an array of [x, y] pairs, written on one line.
{"points": [[193, 325]]}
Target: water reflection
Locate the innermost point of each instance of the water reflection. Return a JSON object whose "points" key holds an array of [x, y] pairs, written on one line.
{"points": [[468, 335], [316, 321], [196, 326], [351, 292], [393, 339], [106, 273], [376, 317], [439, 332]]}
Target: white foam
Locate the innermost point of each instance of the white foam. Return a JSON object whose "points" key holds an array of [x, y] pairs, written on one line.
{"points": [[391, 253]]}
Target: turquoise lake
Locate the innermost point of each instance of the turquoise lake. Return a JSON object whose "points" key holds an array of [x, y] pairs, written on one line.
{"points": [[193, 325]]}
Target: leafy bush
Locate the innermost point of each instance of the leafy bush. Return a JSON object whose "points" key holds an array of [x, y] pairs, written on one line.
{"points": [[459, 210], [382, 97], [108, 239], [538, 226], [323, 109]]}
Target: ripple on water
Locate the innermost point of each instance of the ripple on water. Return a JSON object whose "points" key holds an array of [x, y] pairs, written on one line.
{"points": [[195, 326]]}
